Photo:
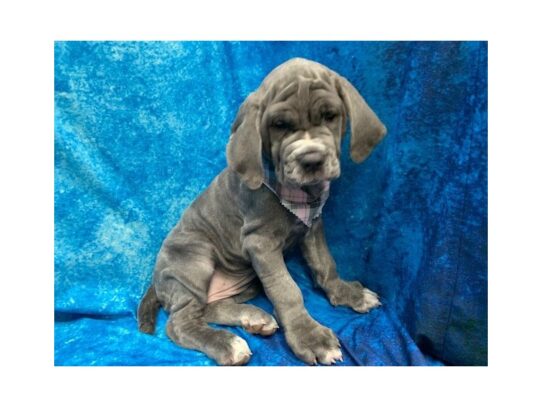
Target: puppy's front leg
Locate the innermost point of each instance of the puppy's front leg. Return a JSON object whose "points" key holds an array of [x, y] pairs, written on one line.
{"points": [[322, 265], [310, 341]]}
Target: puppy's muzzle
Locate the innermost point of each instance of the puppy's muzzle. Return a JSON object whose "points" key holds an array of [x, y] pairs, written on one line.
{"points": [[307, 162], [311, 161]]}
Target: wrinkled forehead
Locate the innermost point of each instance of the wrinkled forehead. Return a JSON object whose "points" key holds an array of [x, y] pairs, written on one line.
{"points": [[297, 68], [296, 80], [304, 97], [302, 93]]}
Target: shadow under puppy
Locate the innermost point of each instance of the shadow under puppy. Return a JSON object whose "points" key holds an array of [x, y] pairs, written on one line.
{"points": [[282, 154]]}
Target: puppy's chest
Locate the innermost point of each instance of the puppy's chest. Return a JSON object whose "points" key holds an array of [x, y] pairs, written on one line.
{"points": [[297, 231]]}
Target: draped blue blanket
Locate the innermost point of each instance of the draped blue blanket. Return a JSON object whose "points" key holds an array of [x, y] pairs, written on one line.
{"points": [[141, 130]]}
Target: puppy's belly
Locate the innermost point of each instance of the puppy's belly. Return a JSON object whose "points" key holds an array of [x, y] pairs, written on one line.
{"points": [[224, 285]]}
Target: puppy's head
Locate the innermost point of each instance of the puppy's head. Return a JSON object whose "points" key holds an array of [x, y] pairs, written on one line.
{"points": [[296, 119]]}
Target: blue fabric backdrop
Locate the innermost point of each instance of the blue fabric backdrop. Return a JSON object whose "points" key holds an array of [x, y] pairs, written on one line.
{"points": [[141, 129]]}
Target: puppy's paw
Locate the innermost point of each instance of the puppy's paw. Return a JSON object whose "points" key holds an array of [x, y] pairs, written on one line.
{"points": [[313, 343], [259, 322], [330, 357], [261, 326], [353, 295], [368, 301], [238, 353]]}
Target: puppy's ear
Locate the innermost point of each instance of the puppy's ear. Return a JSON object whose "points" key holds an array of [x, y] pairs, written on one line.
{"points": [[244, 150], [366, 128]]}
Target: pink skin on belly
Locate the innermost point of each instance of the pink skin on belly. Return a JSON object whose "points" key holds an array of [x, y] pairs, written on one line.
{"points": [[224, 285]]}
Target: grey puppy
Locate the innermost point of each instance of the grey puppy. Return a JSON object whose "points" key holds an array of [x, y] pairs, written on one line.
{"points": [[232, 238]]}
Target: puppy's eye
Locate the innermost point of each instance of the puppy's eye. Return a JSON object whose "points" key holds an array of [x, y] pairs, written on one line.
{"points": [[329, 116], [282, 125]]}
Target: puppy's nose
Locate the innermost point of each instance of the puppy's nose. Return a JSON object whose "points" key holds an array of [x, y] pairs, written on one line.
{"points": [[311, 161]]}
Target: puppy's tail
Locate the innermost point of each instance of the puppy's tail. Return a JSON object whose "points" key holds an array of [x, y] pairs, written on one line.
{"points": [[147, 310]]}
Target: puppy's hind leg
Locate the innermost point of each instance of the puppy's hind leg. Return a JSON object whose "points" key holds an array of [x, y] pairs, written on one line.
{"points": [[181, 281], [187, 328], [253, 319]]}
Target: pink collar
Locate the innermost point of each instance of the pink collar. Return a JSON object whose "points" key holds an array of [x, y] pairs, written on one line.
{"points": [[302, 204]]}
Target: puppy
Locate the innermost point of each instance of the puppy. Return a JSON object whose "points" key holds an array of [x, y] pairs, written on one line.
{"points": [[282, 154]]}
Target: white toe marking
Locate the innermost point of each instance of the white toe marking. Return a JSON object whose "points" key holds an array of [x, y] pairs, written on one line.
{"points": [[332, 356], [273, 323], [241, 351], [370, 298], [266, 326]]}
